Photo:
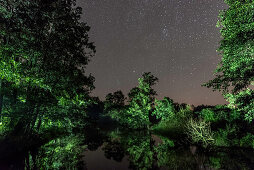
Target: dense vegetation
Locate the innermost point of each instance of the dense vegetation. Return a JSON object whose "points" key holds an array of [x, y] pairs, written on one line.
{"points": [[202, 125], [230, 125], [45, 94], [236, 69], [43, 53]]}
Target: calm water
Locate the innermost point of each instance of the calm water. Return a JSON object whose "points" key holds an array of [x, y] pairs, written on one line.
{"points": [[108, 150]]}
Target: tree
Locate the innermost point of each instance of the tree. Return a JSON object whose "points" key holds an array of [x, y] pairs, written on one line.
{"points": [[43, 53], [236, 68], [139, 146], [115, 100], [164, 109], [141, 101], [114, 106]]}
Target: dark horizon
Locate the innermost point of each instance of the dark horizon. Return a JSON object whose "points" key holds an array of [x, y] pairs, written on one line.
{"points": [[174, 40]]}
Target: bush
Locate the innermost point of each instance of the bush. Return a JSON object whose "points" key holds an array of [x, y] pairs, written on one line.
{"points": [[199, 131], [174, 126], [226, 137], [247, 141], [234, 115], [208, 115], [221, 138]]}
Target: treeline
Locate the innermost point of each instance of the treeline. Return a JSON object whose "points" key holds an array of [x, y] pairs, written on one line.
{"points": [[217, 125], [230, 125], [43, 56]]}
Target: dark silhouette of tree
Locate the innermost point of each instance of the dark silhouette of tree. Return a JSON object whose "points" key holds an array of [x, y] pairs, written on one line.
{"points": [[114, 101], [114, 149]]}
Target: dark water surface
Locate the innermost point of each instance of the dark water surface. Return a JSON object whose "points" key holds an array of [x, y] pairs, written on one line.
{"points": [[109, 150]]}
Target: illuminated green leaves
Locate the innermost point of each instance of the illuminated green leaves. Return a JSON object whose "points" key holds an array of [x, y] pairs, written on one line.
{"points": [[141, 100], [236, 47], [243, 102], [236, 68], [164, 109]]}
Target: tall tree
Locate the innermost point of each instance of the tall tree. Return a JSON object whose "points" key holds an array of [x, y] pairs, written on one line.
{"points": [[44, 51], [141, 101], [47, 43], [236, 69]]}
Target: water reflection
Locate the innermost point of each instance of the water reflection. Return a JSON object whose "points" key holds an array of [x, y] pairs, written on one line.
{"points": [[143, 150], [113, 149], [98, 149]]}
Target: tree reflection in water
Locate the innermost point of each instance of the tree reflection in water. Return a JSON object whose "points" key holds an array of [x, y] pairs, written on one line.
{"points": [[132, 149]]}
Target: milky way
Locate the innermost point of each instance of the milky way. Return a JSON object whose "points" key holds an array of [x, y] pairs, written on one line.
{"points": [[175, 40]]}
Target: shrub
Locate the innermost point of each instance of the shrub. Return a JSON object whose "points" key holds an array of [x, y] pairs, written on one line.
{"points": [[215, 162], [234, 115], [226, 137], [208, 115], [199, 131], [174, 126], [221, 138], [247, 141]]}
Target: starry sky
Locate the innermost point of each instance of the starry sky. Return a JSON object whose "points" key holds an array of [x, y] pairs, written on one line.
{"points": [[175, 40]]}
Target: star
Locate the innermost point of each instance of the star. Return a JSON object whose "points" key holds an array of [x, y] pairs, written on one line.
{"points": [[172, 39]]}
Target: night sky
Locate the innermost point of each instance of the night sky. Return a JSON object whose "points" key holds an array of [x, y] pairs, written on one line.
{"points": [[175, 40]]}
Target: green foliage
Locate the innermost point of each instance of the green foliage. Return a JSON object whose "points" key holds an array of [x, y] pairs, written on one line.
{"points": [[163, 151], [221, 138], [43, 53], [184, 112], [141, 99], [4, 125], [215, 162], [165, 145], [199, 131], [236, 68], [61, 153], [226, 137], [175, 158], [26, 50], [237, 29], [175, 127], [140, 152], [121, 116], [234, 115], [164, 109], [208, 115], [243, 102], [219, 113], [247, 141]]}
